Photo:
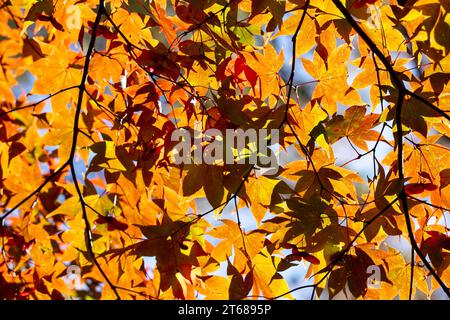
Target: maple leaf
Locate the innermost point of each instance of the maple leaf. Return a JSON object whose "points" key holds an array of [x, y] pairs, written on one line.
{"points": [[331, 75], [55, 72], [112, 223], [362, 3]]}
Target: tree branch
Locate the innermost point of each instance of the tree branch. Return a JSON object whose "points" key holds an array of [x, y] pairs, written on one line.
{"points": [[82, 86]]}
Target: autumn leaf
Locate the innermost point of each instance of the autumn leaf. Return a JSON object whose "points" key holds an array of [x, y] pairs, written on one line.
{"points": [[56, 71]]}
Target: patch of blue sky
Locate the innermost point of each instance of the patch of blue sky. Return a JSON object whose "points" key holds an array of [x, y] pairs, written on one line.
{"points": [[93, 175], [44, 167], [80, 169]]}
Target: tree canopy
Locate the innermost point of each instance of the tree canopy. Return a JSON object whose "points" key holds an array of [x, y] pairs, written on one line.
{"points": [[353, 98]]}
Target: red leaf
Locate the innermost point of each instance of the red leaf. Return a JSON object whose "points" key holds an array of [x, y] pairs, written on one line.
{"points": [[239, 66], [102, 31], [159, 63], [100, 220], [294, 257], [416, 188], [302, 255], [425, 175], [220, 71], [437, 240], [361, 3], [310, 258], [45, 18], [434, 238], [58, 26], [190, 14], [251, 75], [25, 293], [115, 224], [444, 177]]}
